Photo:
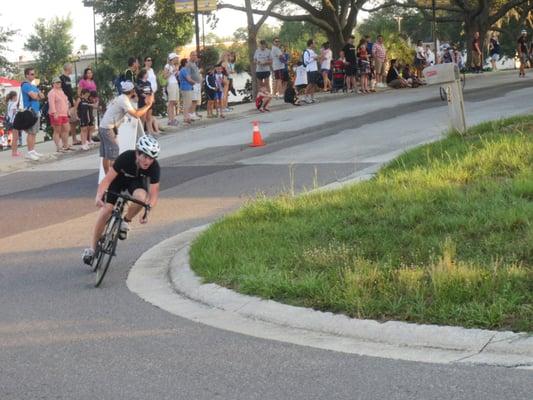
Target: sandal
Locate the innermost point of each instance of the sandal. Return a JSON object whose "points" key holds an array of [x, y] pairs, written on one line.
{"points": [[76, 143]]}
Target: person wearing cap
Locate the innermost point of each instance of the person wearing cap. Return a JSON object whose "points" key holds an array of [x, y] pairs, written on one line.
{"points": [[58, 112], [522, 52], [115, 113], [170, 73]]}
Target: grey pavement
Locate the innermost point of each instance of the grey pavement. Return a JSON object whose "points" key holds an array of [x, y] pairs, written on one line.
{"points": [[60, 338]]}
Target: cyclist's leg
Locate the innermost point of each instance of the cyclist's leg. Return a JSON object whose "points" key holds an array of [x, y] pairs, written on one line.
{"points": [[101, 220], [138, 193]]}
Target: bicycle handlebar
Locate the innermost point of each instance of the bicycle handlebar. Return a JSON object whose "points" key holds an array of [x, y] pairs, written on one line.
{"points": [[133, 200]]}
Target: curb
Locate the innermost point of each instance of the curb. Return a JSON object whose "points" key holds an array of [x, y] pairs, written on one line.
{"points": [[162, 276]]}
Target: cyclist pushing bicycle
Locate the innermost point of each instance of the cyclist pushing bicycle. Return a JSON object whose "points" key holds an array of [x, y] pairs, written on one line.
{"points": [[131, 172]]}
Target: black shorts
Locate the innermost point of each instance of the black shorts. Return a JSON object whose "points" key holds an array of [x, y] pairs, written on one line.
{"points": [[120, 185], [285, 76], [210, 94], [313, 77], [262, 75], [351, 69], [278, 74]]}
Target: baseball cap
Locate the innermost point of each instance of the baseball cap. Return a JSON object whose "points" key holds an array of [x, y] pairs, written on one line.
{"points": [[172, 56], [523, 31], [126, 86], [56, 79]]}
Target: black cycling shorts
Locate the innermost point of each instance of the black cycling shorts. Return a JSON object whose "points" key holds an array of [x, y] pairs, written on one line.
{"points": [[120, 185]]}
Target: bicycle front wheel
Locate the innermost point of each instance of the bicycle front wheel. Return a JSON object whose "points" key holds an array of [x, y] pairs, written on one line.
{"points": [[107, 246]]}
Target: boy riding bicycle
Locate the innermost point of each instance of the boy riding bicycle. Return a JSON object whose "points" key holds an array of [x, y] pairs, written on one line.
{"points": [[131, 172]]}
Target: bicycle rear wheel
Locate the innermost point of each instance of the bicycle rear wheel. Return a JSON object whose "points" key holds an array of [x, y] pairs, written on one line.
{"points": [[107, 245]]}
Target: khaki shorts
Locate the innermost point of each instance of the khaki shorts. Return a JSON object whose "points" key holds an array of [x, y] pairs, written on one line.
{"points": [[108, 144], [186, 96], [196, 92], [173, 92], [35, 128], [476, 60], [379, 67]]}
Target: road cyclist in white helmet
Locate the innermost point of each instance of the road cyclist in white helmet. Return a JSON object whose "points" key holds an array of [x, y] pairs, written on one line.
{"points": [[136, 172]]}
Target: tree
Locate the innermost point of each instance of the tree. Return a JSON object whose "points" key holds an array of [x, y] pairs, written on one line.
{"points": [[52, 44], [337, 18], [5, 37], [295, 34], [135, 28]]}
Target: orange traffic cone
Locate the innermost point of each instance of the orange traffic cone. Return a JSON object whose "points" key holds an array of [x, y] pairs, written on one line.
{"points": [[257, 140]]}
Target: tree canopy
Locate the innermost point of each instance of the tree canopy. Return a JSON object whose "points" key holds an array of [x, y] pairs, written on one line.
{"points": [[5, 37], [52, 44]]}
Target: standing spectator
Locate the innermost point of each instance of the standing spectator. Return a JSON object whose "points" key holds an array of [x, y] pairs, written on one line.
{"points": [[186, 89], [494, 50], [133, 69], [458, 58], [31, 96], [286, 58], [228, 71], [277, 66], [263, 62], [144, 89], [85, 115], [219, 89], [522, 52], [66, 85], [12, 108], [379, 55], [364, 65], [58, 111], [88, 83], [170, 73], [231, 71], [430, 56], [196, 76], [476, 54], [448, 55], [420, 59], [325, 65], [152, 78], [115, 113], [210, 92], [311, 66], [350, 54]]}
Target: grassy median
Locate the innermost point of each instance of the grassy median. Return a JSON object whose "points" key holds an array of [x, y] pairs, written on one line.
{"points": [[442, 235]]}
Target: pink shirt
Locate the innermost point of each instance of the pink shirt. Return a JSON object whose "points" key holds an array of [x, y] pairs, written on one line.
{"points": [[88, 84], [57, 103], [378, 52]]}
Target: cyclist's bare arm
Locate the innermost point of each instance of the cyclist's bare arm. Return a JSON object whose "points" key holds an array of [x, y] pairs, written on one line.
{"points": [[154, 194], [104, 185]]}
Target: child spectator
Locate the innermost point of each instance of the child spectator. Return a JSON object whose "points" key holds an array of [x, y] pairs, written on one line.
{"points": [[290, 95], [219, 84], [301, 77], [364, 65], [210, 91], [263, 98], [85, 115], [326, 56], [410, 78], [12, 108]]}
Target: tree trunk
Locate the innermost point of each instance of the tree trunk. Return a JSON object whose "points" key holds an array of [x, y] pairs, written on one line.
{"points": [[473, 25], [252, 46], [336, 42]]}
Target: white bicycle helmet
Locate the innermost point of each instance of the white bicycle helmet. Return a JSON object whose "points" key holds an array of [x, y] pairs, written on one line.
{"points": [[148, 145]]}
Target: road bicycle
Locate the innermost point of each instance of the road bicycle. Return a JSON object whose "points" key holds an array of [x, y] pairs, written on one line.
{"points": [[107, 244], [442, 90]]}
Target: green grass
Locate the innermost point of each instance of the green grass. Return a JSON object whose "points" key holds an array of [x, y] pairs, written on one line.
{"points": [[443, 235]]}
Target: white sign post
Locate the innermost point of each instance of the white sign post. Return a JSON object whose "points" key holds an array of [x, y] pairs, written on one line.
{"points": [[128, 132], [448, 76]]}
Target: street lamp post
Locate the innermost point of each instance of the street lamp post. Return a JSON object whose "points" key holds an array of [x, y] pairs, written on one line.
{"points": [[90, 3]]}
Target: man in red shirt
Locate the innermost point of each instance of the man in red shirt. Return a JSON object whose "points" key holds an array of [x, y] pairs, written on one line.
{"points": [[476, 54]]}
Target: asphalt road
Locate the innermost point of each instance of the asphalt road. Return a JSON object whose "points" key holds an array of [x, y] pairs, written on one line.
{"points": [[60, 338]]}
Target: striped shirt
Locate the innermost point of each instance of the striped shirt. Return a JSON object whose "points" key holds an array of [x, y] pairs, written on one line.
{"points": [[378, 52]]}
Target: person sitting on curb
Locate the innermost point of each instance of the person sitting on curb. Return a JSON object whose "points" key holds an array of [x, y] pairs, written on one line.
{"points": [[115, 113], [290, 95], [263, 98], [394, 80]]}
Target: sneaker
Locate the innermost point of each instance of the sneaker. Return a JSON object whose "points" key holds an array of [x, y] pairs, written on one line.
{"points": [[37, 154], [123, 231], [31, 155], [85, 147], [87, 256], [227, 109], [194, 117]]}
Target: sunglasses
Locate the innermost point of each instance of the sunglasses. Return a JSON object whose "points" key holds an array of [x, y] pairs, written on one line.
{"points": [[149, 59]]}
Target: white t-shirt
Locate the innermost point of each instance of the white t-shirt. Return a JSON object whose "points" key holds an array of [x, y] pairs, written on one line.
{"points": [[327, 56], [310, 58], [420, 53], [262, 57], [301, 75], [170, 68], [430, 57], [11, 110], [116, 111], [152, 79], [275, 53]]}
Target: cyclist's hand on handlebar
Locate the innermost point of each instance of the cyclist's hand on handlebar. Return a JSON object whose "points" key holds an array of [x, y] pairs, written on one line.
{"points": [[99, 202], [143, 219]]}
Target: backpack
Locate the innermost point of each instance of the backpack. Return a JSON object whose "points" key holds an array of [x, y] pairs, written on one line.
{"points": [[302, 59], [118, 81], [24, 119]]}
